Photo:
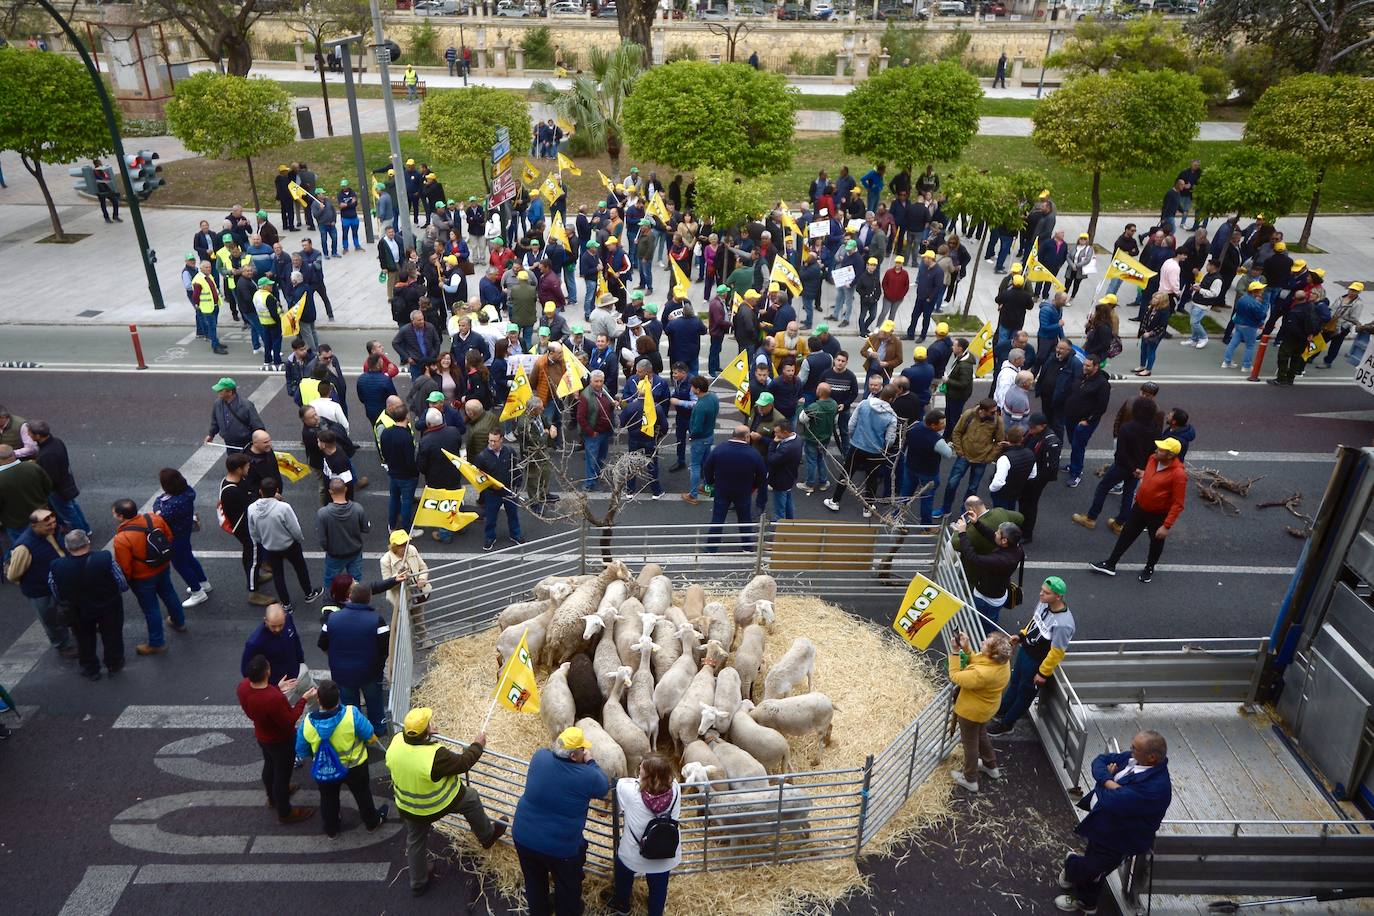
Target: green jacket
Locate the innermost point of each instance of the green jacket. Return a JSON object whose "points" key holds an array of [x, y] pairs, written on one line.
{"points": [[741, 280], [524, 306], [820, 421], [990, 519], [476, 439], [959, 378]]}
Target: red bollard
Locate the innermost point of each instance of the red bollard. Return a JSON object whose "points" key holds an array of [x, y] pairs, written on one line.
{"points": [[1259, 358], [138, 347]]}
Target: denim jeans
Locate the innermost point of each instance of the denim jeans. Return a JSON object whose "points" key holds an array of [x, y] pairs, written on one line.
{"points": [[69, 513], [701, 449], [930, 483], [1078, 444], [1195, 312], [1021, 689], [210, 320], [45, 608], [1115, 475], [993, 612], [185, 563], [809, 305], [1113, 285], [400, 508], [491, 513], [651, 451], [1149, 346], [646, 273], [625, 883], [250, 317], [271, 345], [744, 514], [1003, 242], [148, 591], [595, 450], [570, 281], [350, 228], [844, 304], [783, 507], [814, 453], [588, 299], [334, 565], [373, 696], [924, 308], [329, 236], [713, 356], [961, 466]]}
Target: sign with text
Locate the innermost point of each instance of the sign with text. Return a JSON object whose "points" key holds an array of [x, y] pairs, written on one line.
{"points": [[1364, 373], [926, 608]]}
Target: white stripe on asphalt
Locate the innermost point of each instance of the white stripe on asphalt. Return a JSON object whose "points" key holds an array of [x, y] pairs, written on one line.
{"points": [[197, 717], [1167, 567], [1196, 457], [99, 891], [214, 874]]}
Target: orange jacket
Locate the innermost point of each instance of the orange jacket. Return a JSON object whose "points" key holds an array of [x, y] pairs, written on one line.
{"points": [[131, 546], [1163, 490]]}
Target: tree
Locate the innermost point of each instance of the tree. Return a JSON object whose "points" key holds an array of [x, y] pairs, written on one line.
{"points": [[1251, 179], [49, 113], [595, 102], [231, 117], [1147, 43], [462, 123], [727, 116], [220, 28], [727, 200], [1321, 35], [912, 114], [321, 20], [1326, 120], [1118, 124], [987, 199], [636, 20]]}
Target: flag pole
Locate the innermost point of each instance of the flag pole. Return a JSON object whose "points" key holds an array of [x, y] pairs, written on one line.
{"points": [[490, 710]]}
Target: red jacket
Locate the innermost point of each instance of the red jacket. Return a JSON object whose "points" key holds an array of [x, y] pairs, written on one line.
{"points": [[274, 720], [896, 284], [131, 546], [1163, 489], [387, 366]]}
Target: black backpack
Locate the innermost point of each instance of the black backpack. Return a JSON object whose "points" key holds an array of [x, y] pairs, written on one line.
{"points": [[661, 835], [159, 548]]}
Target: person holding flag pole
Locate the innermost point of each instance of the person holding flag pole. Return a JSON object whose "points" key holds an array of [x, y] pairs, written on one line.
{"points": [[642, 419]]}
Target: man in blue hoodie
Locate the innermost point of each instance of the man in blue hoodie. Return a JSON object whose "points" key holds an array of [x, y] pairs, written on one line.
{"points": [[357, 640], [1176, 426], [349, 734], [277, 640]]}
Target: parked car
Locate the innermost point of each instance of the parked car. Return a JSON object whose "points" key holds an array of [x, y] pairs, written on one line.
{"points": [[748, 9], [566, 8], [713, 14], [513, 12], [951, 8], [994, 9], [823, 13], [607, 11]]}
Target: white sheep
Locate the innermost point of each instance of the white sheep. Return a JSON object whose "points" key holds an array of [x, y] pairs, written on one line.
{"points": [[620, 726], [628, 629], [607, 753], [558, 588], [640, 701], [696, 774], [760, 589], [799, 715], [668, 635], [739, 764], [556, 706], [646, 575], [522, 611], [658, 597], [564, 638], [767, 745], [744, 816], [673, 683], [748, 657], [699, 753], [788, 672], [719, 624], [535, 630], [685, 718], [693, 601], [727, 698], [605, 660]]}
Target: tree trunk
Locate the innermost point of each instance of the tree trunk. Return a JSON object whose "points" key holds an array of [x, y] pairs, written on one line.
{"points": [[36, 170], [486, 182], [1312, 209], [324, 86], [238, 55], [636, 24], [1330, 39], [1097, 203], [613, 152], [973, 277], [253, 183]]}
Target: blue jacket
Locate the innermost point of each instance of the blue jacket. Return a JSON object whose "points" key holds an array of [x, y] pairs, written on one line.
{"points": [[784, 460], [326, 722], [920, 375], [873, 426], [872, 182], [373, 390], [930, 281], [1250, 312], [735, 469], [283, 650], [684, 339], [490, 293], [357, 639], [1126, 819], [552, 814], [1185, 436], [1049, 322]]}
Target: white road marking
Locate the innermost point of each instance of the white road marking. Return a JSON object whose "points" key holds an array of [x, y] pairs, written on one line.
{"points": [[1168, 567], [217, 874], [179, 759], [1361, 415], [198, 717], [99, 891], [190, 336], [1196, 457]]}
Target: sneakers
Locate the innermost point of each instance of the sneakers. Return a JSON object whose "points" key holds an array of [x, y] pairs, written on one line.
{"points": [[656, 496], [1118, 489], [313, 594], [1231, 365], [488, 545], [831, 504], [1064, 881], [937, 513], [1103, 567], [1071, 904], [498, 830], [220, 351], [961, 782], [1074, 481], [1114, 525], [196, 597], [1146, 574], [866, 512], [205, 587], [382, 812], [990, 772], [1080, 519], [806, 488], [998, 727], [823, 487], [1200, 344], [1186, 343]]}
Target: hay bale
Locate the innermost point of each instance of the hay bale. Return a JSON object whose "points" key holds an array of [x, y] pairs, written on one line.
{"points": [[876, 683]]}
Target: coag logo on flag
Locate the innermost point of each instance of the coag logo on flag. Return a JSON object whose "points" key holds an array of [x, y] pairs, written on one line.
{"points": [[925, 609]]}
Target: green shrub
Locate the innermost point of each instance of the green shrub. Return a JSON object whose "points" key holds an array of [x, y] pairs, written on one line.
{"points": [[956, 47], [424, 45], [1253, 69], [685, 52], [279, 50], [1216, 85], [538, 47], [904, 44], [144, 127]]}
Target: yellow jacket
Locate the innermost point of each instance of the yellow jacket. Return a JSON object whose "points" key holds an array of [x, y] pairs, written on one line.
{"points": [[980, 686]]}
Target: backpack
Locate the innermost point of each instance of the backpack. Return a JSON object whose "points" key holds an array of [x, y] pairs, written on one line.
{"points": [[159, 549], [661, 835], [327, 766]]}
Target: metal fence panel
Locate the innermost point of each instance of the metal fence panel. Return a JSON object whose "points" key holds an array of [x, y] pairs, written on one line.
{"points": [[1166, 671]]}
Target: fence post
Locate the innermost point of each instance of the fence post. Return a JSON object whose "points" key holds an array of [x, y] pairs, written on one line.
{"points": [[706, 828], [777, 826], [615, 825], [911, 764], [863, 805], [759, 541]]}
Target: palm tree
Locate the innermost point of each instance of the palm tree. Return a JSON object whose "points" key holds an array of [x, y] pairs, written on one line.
{"points": [[596, 100]]}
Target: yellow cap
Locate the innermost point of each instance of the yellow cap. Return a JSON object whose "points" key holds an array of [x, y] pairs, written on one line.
{"points": [[451, 260], [899, 260], [410, 162], [612, 241], [391, 172], [1357, 287], [889, 326], [1084, 235], [1109, 299], [550, 308], [1018, 280], [573, 739], [534, 193], [775, 288], [417, 720], [920, 352], [1320, 272], [1280, 246], [1170, 445], [1016, 267], [928, 254], [1255, 286], [1045, 193], [873, 261], [751, 294], [942, 329], [1299, 266], [523, 275], [282, 168], [399, 536]]}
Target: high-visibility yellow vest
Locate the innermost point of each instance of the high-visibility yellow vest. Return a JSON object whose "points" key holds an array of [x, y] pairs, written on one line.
{"points": [[416, 793], [204, 287], [260, 306], [410, 78], [226, 265], [347, 745]]}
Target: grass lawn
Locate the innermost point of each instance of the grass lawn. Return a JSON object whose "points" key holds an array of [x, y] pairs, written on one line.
{"points": [[1184, 325], [216, 183]]}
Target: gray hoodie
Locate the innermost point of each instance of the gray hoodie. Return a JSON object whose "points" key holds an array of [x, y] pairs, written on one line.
{"points": [[272, 523], [340, 527]]}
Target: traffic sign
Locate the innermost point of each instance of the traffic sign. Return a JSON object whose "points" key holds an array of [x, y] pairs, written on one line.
{"points": [[500, 150], [502, 164], [502, 189]]}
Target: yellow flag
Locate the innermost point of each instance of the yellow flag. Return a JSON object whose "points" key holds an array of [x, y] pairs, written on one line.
{"points": [[784, 274], [981, 347], [529, 174], [310, 390], [472, 473], [785, 216], [1128, 270], [290, 466], [564, 125], [551, 188], [516, 689], [606, 182], [519, 395], [1040, 273], [742, 399], [1314, 346], [646, 391], [442, 509], [682, 284], [559, 234], [561, 73], [574, 376], [601, 287], [657, 209], [565, 164], [926, 608], [737, 373], [291, 321], [296, 191]]}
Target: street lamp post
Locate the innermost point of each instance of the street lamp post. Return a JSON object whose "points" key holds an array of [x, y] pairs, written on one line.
{"points": [[147, 254], [364, 184], [389, 103]]}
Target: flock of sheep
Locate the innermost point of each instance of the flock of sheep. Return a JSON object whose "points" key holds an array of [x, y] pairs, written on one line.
{"points": [[631, 660]]}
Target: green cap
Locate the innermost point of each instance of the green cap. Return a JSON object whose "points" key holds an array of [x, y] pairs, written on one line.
{"points": [[765, 399], [319, 190], [264, 281], [637, 294], [1056, 585], [851, 244], [593, 244], [634, 170], [651, 308], [647, 221], [544, 331], [262, 214], [722, 288], [191, 256], [451, 201], [512, 328], [498, 241], [822, 328], [227, 237], [343, 182], [578, 329], [435, 397], [226, 384], [379, 186]]}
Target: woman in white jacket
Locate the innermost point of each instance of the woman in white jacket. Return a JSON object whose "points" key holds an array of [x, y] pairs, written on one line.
{"points": [[655, 792]]}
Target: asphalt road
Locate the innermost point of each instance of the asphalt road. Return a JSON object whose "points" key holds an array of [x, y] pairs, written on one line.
{"points": [[72, 768]]}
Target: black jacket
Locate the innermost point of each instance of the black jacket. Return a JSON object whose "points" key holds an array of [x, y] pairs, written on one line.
{"points": [[1013, 304], [500, 467], [439, 471], [52, 457], [990, 572], [1087, 399]]}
